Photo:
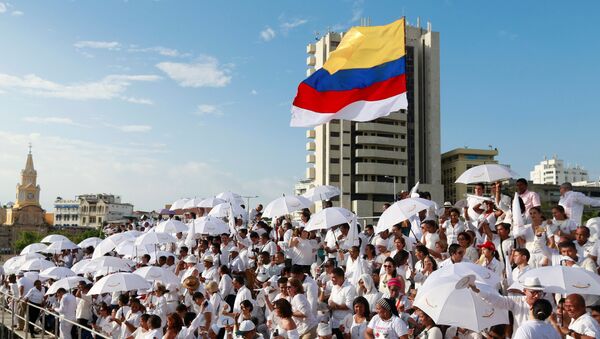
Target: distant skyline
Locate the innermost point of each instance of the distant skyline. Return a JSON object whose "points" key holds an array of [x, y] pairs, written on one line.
{"points": [[158, 100]]}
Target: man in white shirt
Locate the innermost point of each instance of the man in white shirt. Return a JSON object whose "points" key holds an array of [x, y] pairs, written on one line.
{"points": [[83, 313], [242, 293], [310, 286], [582, 324], [25, 284], [66, 310], [340, 300], [573, 202], [236, 264], [35, 296], [530, 199]]}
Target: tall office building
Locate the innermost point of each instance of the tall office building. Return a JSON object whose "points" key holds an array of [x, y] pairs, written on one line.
{"points": [[367, 160]]}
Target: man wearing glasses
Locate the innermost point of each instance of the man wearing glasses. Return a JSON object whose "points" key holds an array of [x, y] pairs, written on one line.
{"points": [[518, 305]]}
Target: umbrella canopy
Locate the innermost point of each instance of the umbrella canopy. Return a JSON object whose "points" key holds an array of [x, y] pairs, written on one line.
{"points": [[222, 210], [171, 226], [563, 280], [36, 264], [178, 204], [192, 203], [13, 265], [154, 238], [211, 202], [57, 273], [324, 192], [448, 301], [79, 265], [400, 211], [119, 282], [128, 249], [96, 264], [66, 283], [328, 218], [286, 205], [93, 241], [153, 273], [463, 269], [59, 246], [210, 225], [110, 243], [485, 173], [54, 238], [33, 248], [231, 197]]}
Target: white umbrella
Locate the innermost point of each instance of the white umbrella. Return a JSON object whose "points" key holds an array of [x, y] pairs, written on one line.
{"points": [[154, 238], [66, 283], [400, 211], [286, 205], [171, 226], [486, 173], [57, 273], [110, 243], [128, 249], [192, 203], [211, 202], [36, 264], [119, 282], [104, 271], [324, 192], [563, 280], [13, 265], [231, 197], [449, 301], [79, 265], [54, 238], [33, 248], [222, 210], [93, 241], [111, 262], [178, 204], [210, 225], [328, 218], [153, 273], [59, 246], [462, 269]]}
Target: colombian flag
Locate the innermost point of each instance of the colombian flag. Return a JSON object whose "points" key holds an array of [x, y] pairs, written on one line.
{"points": [[362, 80]]}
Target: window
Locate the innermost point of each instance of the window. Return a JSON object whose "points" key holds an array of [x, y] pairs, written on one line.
{"points": [[334, 178], [334, 134], [334, 147], [335, 160]]}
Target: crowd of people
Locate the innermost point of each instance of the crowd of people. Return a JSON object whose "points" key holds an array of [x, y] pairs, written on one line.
{"points": [[274, 279]]}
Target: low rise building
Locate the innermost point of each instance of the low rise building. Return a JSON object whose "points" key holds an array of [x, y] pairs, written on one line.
{"points": [[90, 210], [554, 172], [458, 160]]}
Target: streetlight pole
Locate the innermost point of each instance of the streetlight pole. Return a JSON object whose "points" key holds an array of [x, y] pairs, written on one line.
{"points": [[248, 197], [394, 179]]}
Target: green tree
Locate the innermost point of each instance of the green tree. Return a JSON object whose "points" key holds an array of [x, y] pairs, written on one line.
{"points": [[27, 238]]}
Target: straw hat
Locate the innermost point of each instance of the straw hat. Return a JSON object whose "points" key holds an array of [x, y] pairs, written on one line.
{"points": [[212, 287], [191, 283]]}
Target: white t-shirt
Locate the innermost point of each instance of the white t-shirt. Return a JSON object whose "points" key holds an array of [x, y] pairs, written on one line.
{"points": [[536, 329], [393, 328], [586, 325]]}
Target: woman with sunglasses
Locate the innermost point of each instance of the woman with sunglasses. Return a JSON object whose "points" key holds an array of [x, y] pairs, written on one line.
{"points": [[388, 272], [302, 313], [386, 323]]}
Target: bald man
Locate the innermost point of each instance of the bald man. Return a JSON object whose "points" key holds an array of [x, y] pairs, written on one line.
{"points": [[582, 325]]}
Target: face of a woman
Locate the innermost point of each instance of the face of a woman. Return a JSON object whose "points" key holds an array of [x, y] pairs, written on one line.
{"points": [[359, 309], [557, 215], [245, 310], [487, 253], [170, 322], [427, 262], [291, 289], [535, 215], [383, 313], [304, 235], [144, 324], [453, 217], [389, 267]]}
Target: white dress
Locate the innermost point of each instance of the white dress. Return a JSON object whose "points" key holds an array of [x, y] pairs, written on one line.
{"points": [[356, 330]]}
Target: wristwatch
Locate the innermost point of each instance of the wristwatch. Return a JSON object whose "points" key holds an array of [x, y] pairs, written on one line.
{"points": [[571, 332]]}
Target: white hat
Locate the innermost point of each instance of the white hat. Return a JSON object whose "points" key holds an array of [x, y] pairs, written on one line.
{"points": [[533, 284], [224, 321], [234, 249], [190, 259], [381, 242], [448, 204], [323, 329], [209, 258], [246, 326], [566, 258]]}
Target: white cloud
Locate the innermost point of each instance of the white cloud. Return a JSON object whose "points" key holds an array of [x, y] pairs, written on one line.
{"points": [[254, 92], [357, 10], [293, 24], [51, 120], [170, 52], [109, 45], [140, 101], [16, 13], [2, 8], [134, 128], [205, 109], [110, 87], [206, 72], [267, 34]]}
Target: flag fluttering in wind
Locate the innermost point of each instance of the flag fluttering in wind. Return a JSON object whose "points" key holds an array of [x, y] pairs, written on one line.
{"points": [[362, 80]]}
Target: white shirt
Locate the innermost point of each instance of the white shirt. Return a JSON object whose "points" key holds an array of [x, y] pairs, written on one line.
{"points": [[516, 304], [67, 306], [300, 304], [84, 307], [242, 294], [341, 295], [536, 329], [452, 231], [573, 203], [585, 325], [393, 328], [132, 318], [35, 296]]}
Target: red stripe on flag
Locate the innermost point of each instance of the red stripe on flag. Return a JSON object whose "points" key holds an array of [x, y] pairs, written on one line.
{"points": [[333, 101]]}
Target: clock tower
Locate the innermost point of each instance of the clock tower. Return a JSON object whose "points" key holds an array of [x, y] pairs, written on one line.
{"points": [[28, 191]]}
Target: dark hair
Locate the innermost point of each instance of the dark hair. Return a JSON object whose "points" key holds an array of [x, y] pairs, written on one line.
{"points": [[433, 262], [284, 306], [297, 284], [522, 181], [401, 257], [391, 260], [541, 309], [181, 308], [465, 234], [124, 299], [154, 321], [523, 251], [566, 244], [363, 301], [145, 317], [452, 249], [422, 248], [338, 272], [188, 318], [198, 295], [430, 222], [177, 321], [247, 304], [296, 269], [282, 280], [480, 185], [239, 279]]}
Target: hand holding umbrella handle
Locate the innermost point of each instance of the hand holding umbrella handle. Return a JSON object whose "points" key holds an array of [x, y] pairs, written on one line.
{"points": [[474, 288]]}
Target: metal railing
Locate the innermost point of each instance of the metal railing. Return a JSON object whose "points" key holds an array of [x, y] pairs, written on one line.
{"points": [[8, 306]]}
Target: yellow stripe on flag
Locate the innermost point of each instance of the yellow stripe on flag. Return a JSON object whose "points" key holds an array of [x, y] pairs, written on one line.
{"points": [[366, 47]]}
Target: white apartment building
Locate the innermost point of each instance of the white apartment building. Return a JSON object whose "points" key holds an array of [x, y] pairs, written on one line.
{"points": [[554, 172], [90, 210], [373, 161]]}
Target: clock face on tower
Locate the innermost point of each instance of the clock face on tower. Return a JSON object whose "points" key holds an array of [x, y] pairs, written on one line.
{"points": [[30, 196]]}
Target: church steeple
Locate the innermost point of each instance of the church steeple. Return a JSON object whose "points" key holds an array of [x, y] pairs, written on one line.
{"points": [[28, 192]]}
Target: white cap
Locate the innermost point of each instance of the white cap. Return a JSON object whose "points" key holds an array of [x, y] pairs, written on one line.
{"points": [[381, 242], [323, 329], [234, 249], [246, 326], [190, 259], [208, 257]]}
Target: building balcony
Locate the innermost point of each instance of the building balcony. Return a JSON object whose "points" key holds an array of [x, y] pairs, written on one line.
{"points": [[380, 154], [311, 134], [310, 173], [372, 140], [374, 187], [311, 146], [371, 168], [311, 49], [375, 127], [311, 60], [311, 159]]}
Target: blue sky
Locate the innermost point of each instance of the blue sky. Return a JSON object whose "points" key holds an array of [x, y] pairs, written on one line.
{"points": [[156, 100]]}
